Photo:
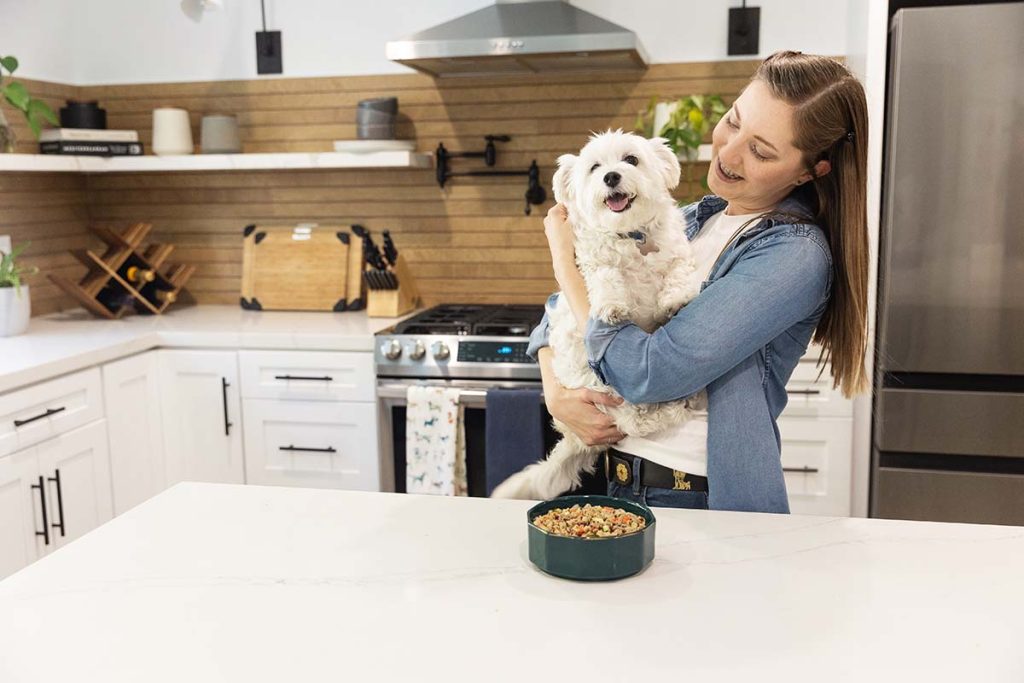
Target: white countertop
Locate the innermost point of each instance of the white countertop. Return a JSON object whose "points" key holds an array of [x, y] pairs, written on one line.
{"points": [[64, 342], [210, 582]]}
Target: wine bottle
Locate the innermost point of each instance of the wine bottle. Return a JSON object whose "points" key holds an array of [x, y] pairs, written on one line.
{"points": [[139, 276], [114, 297]]}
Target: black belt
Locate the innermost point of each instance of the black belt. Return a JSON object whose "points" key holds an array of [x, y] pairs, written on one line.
{"points": [[619, 468]]}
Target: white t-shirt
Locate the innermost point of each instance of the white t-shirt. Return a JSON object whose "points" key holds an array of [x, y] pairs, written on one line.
{"points": [[684, 447]]}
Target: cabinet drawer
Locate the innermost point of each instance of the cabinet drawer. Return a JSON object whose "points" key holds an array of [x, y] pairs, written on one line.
{"points": [[811, 396], [307, 375], [311, 443], [816, 461], [29, 416]]}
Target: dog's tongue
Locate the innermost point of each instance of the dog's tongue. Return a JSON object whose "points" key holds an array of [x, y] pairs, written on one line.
{"points": [[617, 202]]}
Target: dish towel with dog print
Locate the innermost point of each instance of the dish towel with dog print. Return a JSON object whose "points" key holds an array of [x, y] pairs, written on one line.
{"points": [[435, 449]]}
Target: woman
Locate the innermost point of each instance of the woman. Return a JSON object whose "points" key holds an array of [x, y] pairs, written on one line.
{"points": [[782, 249]]}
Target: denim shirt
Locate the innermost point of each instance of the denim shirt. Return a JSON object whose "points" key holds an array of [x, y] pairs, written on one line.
{"points": [[741, 338]]}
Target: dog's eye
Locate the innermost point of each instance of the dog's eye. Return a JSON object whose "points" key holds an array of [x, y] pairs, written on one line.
{"points": [[632, 160], [594, 167]]}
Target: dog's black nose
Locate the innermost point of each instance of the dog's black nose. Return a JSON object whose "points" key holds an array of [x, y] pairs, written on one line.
{"points": [[611, 179]]}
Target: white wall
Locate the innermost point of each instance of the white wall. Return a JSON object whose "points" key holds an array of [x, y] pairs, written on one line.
{"points": [[93, 42]]}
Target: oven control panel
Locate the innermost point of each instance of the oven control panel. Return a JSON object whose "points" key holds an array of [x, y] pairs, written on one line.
{"points": [[493, 352]]}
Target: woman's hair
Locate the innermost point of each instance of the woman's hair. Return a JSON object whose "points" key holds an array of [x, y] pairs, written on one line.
{"points": [[831, 123]]}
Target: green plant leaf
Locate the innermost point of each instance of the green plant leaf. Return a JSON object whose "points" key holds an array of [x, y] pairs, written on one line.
{"points": [[17, 95], [42, 110], [10, 63]]}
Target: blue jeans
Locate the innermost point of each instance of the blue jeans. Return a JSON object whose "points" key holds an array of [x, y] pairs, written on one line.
{"points": [[657, 497]]}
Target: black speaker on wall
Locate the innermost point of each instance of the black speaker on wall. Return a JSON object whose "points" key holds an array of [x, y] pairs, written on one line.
{"points": [[744, 30]]}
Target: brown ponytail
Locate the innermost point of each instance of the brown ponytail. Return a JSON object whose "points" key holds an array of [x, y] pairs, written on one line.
{"points": [[831, 123]]}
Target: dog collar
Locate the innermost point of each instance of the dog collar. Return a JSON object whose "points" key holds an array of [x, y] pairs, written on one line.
{"points": [[638, 235]]}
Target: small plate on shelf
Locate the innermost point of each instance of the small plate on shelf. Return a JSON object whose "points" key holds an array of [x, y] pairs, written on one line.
{"points": [[369, 146]]}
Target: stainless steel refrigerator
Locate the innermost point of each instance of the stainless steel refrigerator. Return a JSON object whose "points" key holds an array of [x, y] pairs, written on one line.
{"points": [[948, 431]]}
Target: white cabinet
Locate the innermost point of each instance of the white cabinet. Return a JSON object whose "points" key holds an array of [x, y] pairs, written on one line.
{"points": [[52, 493], [76, 467], [310, 419], [131, 393], [201, 416], [317, 444], [33, 414], [816, 457], [20, 511], [308, 375]]}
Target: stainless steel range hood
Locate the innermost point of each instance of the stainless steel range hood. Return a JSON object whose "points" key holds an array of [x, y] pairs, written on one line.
{"points": [[517, 36]]}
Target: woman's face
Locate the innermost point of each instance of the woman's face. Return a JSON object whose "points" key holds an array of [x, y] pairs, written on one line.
{"points": [[754, 142]]}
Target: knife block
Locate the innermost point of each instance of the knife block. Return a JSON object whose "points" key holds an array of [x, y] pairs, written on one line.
{"points": [[391, 303]]}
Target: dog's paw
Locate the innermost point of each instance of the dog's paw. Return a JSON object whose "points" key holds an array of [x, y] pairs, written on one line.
{"points": [[612, 313]]}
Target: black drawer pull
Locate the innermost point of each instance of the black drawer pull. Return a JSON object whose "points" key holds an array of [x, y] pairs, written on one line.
{"points": [[807, 392], [329, 449], [48, 413], [45, 533], [60, 502], [325, 378], [224, 392], [805, 469]]}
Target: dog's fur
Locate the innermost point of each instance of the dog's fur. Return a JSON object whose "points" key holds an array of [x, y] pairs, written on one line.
{"points": [[626, 281]]}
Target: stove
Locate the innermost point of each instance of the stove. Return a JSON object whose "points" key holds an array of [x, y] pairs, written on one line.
{"points": [[469, 341]]}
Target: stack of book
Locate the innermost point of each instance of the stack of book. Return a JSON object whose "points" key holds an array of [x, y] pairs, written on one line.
{"points": [[90, 142]]}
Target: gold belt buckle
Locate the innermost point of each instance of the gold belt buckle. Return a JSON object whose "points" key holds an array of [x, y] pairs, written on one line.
{"points": [[680, 481]]}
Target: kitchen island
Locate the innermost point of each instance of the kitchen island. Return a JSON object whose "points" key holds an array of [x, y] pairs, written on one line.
{"points": [[211, 582]]}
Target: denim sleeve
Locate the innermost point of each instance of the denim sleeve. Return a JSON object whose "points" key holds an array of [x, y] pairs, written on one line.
{"points": [[539, 336], [779, 282]]}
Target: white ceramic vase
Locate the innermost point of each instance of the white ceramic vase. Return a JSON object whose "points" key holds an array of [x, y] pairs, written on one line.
{"points": [[15, 309], [172, 132]]}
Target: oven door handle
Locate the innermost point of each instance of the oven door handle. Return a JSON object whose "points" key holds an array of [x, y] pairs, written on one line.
{"points": [[471, 398]]}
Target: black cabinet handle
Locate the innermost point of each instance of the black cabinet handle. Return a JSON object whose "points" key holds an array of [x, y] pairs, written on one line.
{"points": [[325, 378], [805, 469], [48, 413], [45, 533], [808, 392], [329, 449], [60, 502], [224, 391]]}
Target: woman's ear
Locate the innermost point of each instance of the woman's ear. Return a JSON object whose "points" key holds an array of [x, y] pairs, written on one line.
{"points": [[561, 183], [667, 162]]}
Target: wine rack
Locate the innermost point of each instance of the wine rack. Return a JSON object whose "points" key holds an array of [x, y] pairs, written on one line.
{"points": [[106, 291]]}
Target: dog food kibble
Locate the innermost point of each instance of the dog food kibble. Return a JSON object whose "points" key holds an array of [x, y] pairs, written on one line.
{"points": [[589, 521]]}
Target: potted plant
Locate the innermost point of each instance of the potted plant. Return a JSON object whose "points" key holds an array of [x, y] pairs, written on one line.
{"points": [[35, 111], [683, 122], [15, 305]]}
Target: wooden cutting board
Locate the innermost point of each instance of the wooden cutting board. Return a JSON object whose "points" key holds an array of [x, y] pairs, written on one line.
{"points": [[300, 267]]}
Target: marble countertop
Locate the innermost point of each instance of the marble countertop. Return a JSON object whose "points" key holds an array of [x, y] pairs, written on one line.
{"points": [[64, 342], [209, 582]]}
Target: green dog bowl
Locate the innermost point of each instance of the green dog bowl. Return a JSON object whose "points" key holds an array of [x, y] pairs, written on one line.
{"points": [[591, 559]]}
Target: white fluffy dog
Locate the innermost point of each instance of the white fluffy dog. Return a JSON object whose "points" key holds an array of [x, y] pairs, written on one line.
{"points": [[638, 266]]}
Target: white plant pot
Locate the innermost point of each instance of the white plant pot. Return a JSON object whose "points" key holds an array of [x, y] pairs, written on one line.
{"points": [[15, 309]]}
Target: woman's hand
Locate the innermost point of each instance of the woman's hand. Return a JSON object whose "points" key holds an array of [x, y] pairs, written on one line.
{"points": [[558, 230], [577, 408]]}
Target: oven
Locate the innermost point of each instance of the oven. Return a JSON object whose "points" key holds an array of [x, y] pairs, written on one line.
{"points": [[471, 348]]}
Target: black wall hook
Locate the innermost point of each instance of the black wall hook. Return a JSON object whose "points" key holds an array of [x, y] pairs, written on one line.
{"points": [[535, 193]]}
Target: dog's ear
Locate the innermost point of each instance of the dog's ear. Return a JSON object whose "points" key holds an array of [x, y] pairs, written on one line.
{"points": [[561, 183], [666, 160]]}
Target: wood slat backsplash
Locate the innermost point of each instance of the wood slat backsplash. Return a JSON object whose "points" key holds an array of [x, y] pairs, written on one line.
{"points": [[48, 210], [469, 242]]}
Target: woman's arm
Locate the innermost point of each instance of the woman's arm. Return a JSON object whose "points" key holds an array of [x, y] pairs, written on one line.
{"points": [[577, 408], [781, 281]]}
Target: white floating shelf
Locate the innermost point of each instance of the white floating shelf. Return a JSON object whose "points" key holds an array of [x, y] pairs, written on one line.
{"points": [[212, 162]]}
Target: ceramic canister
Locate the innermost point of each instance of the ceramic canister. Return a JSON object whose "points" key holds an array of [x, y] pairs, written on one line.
{"points": [[172, 132], [219, 135]]}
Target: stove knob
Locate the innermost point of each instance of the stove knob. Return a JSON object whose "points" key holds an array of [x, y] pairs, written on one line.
{"points": [[391, 349], [440, 350], [417, 351]]}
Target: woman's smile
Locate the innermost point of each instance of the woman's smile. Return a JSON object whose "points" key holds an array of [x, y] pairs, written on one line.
{"points": [[726, 174]]}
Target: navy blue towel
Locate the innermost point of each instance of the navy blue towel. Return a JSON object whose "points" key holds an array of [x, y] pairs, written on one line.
{"points": [[514, 433]]}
